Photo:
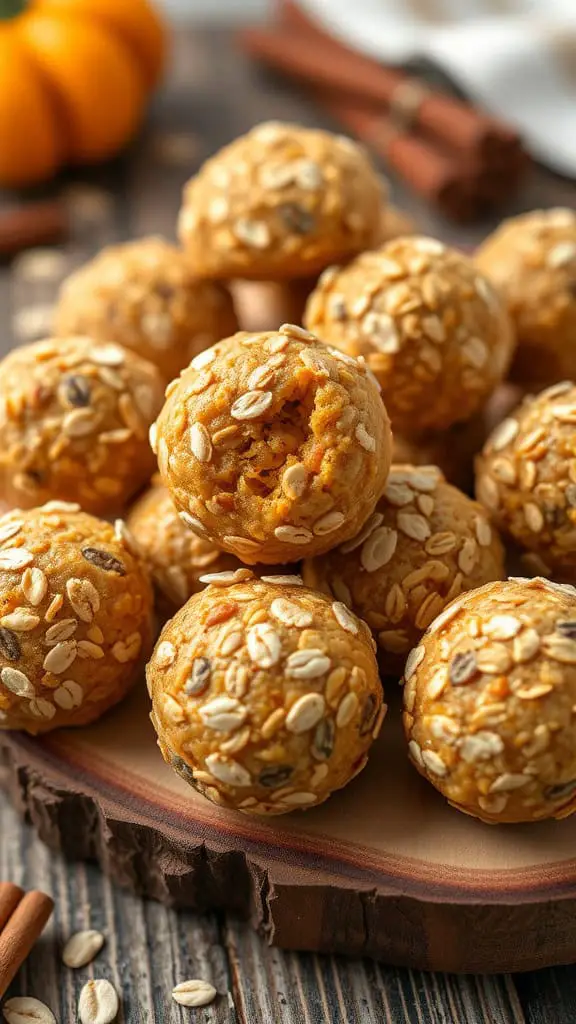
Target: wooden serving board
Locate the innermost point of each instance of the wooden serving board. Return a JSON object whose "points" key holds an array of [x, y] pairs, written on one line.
{"points": [[385, 868]]}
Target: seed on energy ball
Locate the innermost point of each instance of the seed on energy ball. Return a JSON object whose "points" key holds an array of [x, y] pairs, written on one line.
{"points": [[531, 261], [80, 624], [279, 203], [531, 500], [283, 719], [73, 427], [319, 418], [429, 327], [144, 296], [492, 723], [405, 565]]}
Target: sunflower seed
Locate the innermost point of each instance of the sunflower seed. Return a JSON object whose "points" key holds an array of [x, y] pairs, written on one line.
{"points": [[60, 657], [82, 947], [223, 714], [103, 560], [75, 391], [199, 678], [195, 992], [434, 763], [15, 558], [293, 534], [323, 743], [298, 799], [98, 1003], [507, 782], [534, 518], [229, 772], [68, 696], [483, 531], [17, 682], [9, 645], [463, 668], [84, 598], [26, 1010], [415, 658], [305, 713], [309, 663], [264, 647], [415, 752], [251, 405], [200, 443], [275, 776], [346, 710], [290, 614]]}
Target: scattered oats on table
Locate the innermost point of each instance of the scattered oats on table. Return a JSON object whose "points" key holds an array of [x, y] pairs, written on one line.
{"points": [[526, 478], [281, 202], [531, 261], [74, 421], [430, 327], [144, 296], [273, 446], [490, 701], [266, 696], [75, 617], [424, 545]]}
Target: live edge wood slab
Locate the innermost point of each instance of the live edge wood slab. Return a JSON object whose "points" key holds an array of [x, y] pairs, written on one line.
{"points": [[385, 868]]}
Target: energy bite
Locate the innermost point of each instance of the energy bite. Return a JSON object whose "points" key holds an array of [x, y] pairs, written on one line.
{"points": [[490, 701], [531, 260], [526, 478], [424, 545], [176, 557], [274, 446], [265, 695], [75, 617], [278, 203], [143, 296], [429, 326], [74, 421]]}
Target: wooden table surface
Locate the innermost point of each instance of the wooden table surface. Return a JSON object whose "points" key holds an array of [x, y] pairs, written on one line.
{"points": [[212, 95]]}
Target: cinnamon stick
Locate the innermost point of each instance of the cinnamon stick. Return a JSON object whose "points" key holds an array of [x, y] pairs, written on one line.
{"points": [[21, 930], [10, 896], [441, 117], [31, 224]]}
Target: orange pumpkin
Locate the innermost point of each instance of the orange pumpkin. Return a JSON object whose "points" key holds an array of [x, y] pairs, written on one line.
{"points": [[74, 79]]}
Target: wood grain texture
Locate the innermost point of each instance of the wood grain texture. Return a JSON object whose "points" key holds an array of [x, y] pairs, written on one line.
{"points": [[214, 94]]}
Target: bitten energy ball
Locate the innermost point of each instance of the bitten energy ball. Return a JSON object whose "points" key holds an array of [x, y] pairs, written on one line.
{"points": [[274, 446], [430, 327], [176, 557], [280, 202], [531, 260], [143, 295], [266, 695], [424, 544], [490, 702], [75, 617], [526, 478], [74, 420]]}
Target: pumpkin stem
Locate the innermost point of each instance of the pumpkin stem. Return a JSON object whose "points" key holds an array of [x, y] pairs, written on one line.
{"points": [[11, 8]]}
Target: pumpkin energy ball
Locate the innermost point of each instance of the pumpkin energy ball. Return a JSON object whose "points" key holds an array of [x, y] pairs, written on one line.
{"points": [[531, 260], [176, 557], [278, 203], [526, 478], [490, 701], [424, 544], [74, 420], [265, 695], [75, 617], [429, 326], [274, 446], [144, 296]]}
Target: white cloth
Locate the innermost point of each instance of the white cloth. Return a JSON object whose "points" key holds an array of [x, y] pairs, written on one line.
{"points": [[515, 58]]}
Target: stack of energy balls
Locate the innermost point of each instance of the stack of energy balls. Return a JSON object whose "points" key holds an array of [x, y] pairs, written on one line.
{"points": [[302, 528]]}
